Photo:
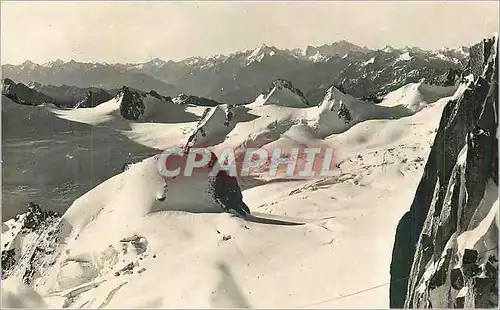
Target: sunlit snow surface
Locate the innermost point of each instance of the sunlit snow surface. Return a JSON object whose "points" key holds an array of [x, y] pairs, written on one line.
{"points": [[120, 246]]}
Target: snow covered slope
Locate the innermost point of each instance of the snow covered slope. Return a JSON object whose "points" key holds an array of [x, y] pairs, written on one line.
{"points": [[151, 120], [138, 240], [53, 161], [212, 127], [16, 294], [129, 105], [416, 96], [339, 111]]}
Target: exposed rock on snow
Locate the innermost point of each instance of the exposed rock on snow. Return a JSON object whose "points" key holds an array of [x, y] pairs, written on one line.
{"points": [[446, 247], [339, 111], [93, 98], [35, 217], [282, 93], [214, 124], [131, 104], [132, 230], [69, 97], [170, 239], [194, 100], [27, 243]]}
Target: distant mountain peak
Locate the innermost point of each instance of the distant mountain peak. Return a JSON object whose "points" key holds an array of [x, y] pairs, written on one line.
{"points": [[193, 60], [388, 49], [57, 62], [157, 62], [261, 51], [339, 48]]}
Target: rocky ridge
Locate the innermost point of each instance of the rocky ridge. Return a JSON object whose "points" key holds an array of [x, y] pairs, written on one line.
{"points": [[446, 247]]}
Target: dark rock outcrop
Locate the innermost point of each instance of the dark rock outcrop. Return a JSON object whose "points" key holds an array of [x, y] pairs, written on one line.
{"points": [[158, 96], [132, 104], [284, 84], [440, 256], [70, 97], [8, 261], [37, 225], [64, 96], [93, 98], [35, 217], [22, 94]]}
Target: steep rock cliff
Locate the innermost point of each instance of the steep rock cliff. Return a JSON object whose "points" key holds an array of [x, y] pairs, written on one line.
{"points": [[446, 246]]}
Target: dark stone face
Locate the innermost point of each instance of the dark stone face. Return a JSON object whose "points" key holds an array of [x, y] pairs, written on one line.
{"points": [[8, 260], [132, 105], [22, 94], [469, 257], [226, 191], [468, 121], [35, 217], [457, 279], [94, 98]]}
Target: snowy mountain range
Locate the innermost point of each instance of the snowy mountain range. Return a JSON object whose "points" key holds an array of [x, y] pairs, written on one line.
{"points": [[239, 77], [410, 220]]}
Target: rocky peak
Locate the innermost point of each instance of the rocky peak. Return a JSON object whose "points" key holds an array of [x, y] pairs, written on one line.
{"points": [[39, 225], [34, 85], [445, 253], [388, 49], [35, 217], [325, 51], [131, 104], [282, 84], [93, 98], [29, 64], [23, 94], [263, 50], [156, 63], [55, 63], [6, 83], [155, 94]]}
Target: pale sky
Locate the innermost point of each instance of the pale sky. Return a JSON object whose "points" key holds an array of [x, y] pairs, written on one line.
{"points": [[139, 31]]}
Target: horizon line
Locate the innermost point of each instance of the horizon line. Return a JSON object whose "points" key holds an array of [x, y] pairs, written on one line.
{"points": [[239, 51]]}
